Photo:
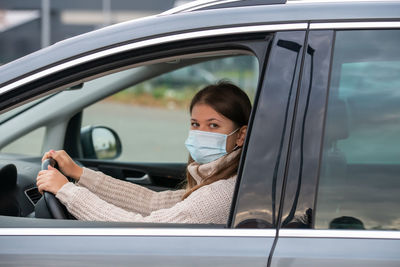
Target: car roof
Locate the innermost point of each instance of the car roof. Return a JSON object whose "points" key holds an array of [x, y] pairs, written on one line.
{"points": [[164, 25], [217, 4]]}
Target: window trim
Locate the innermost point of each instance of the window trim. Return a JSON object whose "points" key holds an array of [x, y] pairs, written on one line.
{"points": [[354, 25], [346, 234], [186, 232], [163, 232]]}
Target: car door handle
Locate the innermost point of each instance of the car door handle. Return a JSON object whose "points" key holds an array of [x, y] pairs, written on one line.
{"points": [[145, 179]]}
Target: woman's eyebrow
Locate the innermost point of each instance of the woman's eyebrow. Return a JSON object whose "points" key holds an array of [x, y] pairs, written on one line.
{"points": [[212, 119]]}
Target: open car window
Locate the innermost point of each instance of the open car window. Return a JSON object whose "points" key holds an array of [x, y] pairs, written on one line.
{"points": [[151, 117]]}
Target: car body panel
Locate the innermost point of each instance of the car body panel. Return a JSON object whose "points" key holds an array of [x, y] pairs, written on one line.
{"points": [[337, 248], [154, 247]]}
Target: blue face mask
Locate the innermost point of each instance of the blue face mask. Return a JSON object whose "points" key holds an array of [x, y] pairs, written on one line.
{"points": [[205, 147]]}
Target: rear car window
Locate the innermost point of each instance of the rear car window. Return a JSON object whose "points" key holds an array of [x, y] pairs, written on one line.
{"points": [[359, 179]]}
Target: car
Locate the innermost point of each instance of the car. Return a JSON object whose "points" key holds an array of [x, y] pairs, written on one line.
{"points": [[318, 182]]}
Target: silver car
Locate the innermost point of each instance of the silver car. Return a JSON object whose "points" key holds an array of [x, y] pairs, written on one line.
{"points": [[319, 179]]}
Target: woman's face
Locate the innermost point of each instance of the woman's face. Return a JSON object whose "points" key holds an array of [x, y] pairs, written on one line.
{"points": [[205, 118]]}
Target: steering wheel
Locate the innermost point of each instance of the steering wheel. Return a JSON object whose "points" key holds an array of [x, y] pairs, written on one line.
{"points": [[49, 206]]}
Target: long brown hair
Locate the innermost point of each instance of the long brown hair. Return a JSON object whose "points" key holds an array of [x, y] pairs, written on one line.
{"points": [[233, 103]]}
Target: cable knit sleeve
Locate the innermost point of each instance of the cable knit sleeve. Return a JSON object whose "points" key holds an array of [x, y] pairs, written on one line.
{"points": [[208, 204], [126, 195]]}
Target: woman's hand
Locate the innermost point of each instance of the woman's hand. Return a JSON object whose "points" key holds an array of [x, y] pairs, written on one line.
{"points": [[67, 166], [50, 180]]}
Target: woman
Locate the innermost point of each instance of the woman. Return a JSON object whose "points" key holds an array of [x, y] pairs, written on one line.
{"points": [[219, 118]]}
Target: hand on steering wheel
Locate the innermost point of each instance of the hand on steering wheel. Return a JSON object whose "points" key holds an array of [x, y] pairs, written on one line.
{"points": [[53, 205], [49, 178], [65, 163]]}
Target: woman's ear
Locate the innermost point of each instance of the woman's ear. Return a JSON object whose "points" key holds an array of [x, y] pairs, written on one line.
{"points": [[241, 136]]}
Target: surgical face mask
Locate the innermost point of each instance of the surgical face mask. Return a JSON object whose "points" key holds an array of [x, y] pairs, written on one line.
{"points": [[205, 147]]}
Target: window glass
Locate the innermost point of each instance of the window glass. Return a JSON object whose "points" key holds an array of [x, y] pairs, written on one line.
{"points": [[30, 144], [152, 118], [359, 182]]}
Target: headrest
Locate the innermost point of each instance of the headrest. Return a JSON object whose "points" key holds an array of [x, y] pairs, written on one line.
{"points": [[8, 177]]}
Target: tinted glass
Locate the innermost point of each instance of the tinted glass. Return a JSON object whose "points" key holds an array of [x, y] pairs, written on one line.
{"points": [[360, 181], [259, 191], [302, 176]]}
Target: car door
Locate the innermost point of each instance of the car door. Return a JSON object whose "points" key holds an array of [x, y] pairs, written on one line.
{"points": [[105, 244], [341, 192]]}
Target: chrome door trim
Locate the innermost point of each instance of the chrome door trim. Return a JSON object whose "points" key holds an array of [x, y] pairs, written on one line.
{"points": [[362, 234], [155, 41], [355, 25], [152, 232], [186, 232]]}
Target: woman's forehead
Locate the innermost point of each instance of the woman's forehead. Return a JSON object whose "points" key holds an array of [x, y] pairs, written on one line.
{"points": [[206, 112]]}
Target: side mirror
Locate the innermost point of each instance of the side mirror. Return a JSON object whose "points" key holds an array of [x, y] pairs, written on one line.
{"points": [[99, 142]]}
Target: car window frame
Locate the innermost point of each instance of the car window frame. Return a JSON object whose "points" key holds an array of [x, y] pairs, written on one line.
{"points": [[62, 82]]}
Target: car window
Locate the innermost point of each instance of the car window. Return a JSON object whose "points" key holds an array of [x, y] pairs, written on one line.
{"points": [[29, 144], [359, 181], [152, 119]]}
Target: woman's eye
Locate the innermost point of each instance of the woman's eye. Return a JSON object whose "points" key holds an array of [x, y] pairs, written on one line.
{"points": [[194, 124], [213, 125]]}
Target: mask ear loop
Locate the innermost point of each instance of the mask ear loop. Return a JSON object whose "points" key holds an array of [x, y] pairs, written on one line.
{"points": [[236, 147], [233, 132]]}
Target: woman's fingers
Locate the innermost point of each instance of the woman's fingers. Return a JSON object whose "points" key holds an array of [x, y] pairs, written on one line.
{"points": [[65, 163], [51, 180], [60, 156], [40, 181], [40, 188], [47, 155], [43, 187]]}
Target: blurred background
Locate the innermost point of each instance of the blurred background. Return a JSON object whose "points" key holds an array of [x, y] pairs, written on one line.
{"points": [[28, 25]]}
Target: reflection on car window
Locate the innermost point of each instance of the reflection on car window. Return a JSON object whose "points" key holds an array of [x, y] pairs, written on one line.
{"points": [[359, 182], [151, 118]]}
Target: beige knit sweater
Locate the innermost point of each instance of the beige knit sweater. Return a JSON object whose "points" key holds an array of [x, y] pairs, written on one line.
{"points": [[98, 197]]}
